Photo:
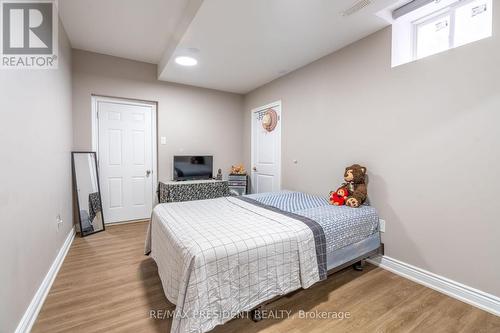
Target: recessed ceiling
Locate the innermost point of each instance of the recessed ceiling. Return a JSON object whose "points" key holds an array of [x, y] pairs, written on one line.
{"points": [[239, 44], [132, 29], [244, 44]]}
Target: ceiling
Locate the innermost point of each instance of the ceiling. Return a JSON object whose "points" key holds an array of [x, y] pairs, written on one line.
{"points": [[133, 29], [239, 44]]}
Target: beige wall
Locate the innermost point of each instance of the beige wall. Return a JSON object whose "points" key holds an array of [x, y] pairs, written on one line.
{"points": [[427, 131], [194, 120], [429, 134], [35, 178]]}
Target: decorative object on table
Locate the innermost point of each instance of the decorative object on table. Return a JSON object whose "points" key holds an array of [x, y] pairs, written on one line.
{"points": [[192, 190], [269, 120], [237, 184], [339, 197], [88, 194], [354, 177], [219, 175], [238, 169]]}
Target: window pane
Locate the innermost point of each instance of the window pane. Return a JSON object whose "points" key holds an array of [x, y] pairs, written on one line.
{"points": [[472, 22], [433, 37]]}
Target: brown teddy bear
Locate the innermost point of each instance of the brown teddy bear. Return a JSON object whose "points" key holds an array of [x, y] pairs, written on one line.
{"points": [[354, 176]]}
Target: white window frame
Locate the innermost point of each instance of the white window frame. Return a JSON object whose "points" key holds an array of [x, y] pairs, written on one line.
{"points": [[448, 10], [432, 17], [405, 28]]}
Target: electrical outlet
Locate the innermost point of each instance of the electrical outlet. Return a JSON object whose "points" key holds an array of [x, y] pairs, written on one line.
{"points": [[382, 225], [59, 221]]}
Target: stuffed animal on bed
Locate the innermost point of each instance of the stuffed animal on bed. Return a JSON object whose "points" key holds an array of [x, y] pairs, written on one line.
{"points": [[339, 197], [354, 176]]}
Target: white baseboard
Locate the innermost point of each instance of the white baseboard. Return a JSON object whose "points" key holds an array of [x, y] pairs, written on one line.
{"points": [[35, 306], [110, 224], [446, 286]]}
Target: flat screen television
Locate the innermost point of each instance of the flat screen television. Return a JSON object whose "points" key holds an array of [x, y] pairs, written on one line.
{"points": [[193, 167]]}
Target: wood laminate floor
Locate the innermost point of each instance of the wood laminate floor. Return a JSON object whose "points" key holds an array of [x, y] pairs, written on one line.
{"points": [[106, 284]]}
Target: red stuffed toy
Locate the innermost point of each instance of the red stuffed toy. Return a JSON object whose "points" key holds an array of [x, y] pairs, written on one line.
{"points": [[339, 197]]}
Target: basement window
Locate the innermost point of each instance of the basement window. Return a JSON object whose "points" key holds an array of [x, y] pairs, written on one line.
{"points": [[422, 28]]}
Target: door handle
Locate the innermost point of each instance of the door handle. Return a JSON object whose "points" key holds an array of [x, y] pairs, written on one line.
{"points": [[254, 168], [148, 172]]}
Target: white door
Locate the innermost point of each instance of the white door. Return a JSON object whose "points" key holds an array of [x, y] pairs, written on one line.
{"points": [[266, 151], [126, 153]]}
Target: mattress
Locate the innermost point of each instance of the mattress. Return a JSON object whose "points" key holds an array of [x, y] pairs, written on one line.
{"points": [[219, 257], [228, 255], [342, 225]]}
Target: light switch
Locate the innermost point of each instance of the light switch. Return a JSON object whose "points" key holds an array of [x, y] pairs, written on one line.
{"points": [[163, 140]]}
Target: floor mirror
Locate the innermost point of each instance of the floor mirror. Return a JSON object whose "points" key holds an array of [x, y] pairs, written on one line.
{"points": [[88, 194]]}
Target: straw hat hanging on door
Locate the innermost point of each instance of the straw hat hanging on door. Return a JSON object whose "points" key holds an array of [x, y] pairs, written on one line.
{"points": [[270, 120]]}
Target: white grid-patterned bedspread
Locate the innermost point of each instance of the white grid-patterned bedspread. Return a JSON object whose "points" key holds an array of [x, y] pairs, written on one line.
{"points": [[222, 256]]}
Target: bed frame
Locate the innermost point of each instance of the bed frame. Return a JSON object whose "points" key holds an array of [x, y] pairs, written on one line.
{"points": [[356, 263]]}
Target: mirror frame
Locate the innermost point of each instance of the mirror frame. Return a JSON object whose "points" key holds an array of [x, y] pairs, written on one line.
{"points": [[75, 190]]}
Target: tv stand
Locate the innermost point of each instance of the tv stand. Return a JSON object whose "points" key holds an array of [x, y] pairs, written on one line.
{"points": [[188, 190]]}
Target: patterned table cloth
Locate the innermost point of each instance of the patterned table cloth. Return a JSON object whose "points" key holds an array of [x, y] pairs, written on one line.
{"points": [[192, 190], [94, 205]]}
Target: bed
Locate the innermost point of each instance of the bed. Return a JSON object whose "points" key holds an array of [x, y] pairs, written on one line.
{"points": [[220, 257]]}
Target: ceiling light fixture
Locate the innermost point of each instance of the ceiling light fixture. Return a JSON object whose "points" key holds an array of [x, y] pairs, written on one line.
{"points": [[186, 61]]}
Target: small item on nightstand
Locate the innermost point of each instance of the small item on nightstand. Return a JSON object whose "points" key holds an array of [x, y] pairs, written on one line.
{"points": [[219, 175], [238, 169]]}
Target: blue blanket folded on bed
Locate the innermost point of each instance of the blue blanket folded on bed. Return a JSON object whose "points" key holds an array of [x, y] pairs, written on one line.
{"points": [[342, 225], [290, 201]]}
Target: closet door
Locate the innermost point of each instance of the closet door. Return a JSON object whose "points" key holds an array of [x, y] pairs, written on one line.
{"points": [[266, 148], [125, 159]]}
